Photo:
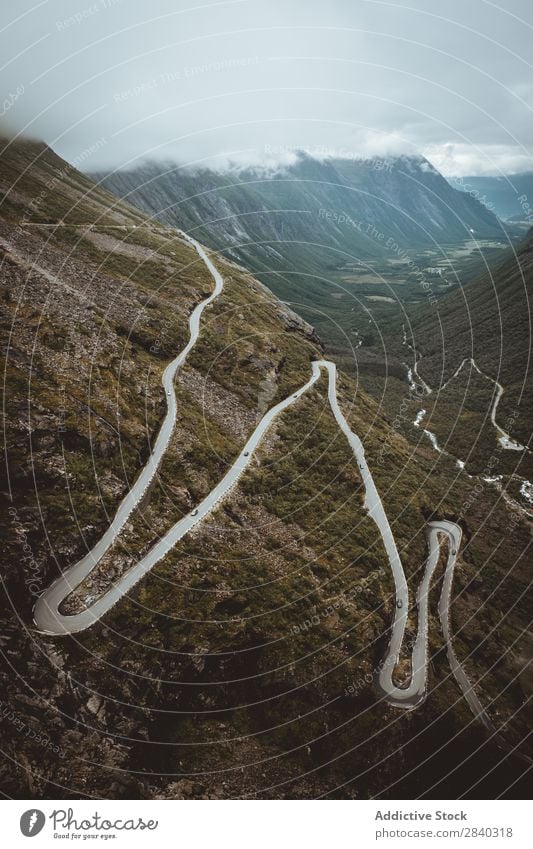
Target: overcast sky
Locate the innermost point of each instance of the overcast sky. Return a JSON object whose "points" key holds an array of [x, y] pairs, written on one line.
{"points": [[110, 82]]}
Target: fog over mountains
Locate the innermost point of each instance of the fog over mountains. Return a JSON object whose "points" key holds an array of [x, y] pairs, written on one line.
{"points": [[311, 214]]}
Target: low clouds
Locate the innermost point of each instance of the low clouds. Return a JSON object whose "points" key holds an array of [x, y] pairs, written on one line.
{"points": [[115, 81]]}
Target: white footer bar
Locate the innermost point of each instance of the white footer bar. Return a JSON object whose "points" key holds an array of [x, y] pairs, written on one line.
{"points": [[266, 824]]}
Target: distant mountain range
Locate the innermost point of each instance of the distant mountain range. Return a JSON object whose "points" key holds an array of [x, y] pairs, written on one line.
{"points": [[510, 197], [311, 216]]}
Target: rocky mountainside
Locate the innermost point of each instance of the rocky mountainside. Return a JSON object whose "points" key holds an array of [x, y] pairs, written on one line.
{"points": [[243, 664]]}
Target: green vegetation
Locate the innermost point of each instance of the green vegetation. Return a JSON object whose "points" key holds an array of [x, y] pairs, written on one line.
{"points": [[245, 659]]}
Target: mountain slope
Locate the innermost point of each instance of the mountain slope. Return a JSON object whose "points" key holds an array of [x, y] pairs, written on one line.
{"points": [[308, 216], [509, 197], [243, 663], [328, 236], [489, 320]]}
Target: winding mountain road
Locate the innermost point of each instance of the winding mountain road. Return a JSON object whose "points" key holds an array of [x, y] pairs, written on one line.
{"points": [[505, 440], [414, 694], [46, 613], [49, 620]]}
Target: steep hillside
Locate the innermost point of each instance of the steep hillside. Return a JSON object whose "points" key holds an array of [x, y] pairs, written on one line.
{"points": [[244, 663], [490, 321], [471, 391]]}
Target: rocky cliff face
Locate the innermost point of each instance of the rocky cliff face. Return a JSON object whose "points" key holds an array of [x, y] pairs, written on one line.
{"points": [[243, 664]]}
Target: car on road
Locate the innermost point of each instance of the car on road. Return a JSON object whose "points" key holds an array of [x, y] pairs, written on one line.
{"points": [[194, 512], [246, 453], [399, 604]]}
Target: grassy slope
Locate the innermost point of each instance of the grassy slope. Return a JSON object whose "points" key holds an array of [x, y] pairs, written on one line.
{"points": [[214, 644], [489, 319]]}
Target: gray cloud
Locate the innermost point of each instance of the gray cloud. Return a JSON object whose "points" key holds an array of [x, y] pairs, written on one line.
{"points": [[113, 81]]}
